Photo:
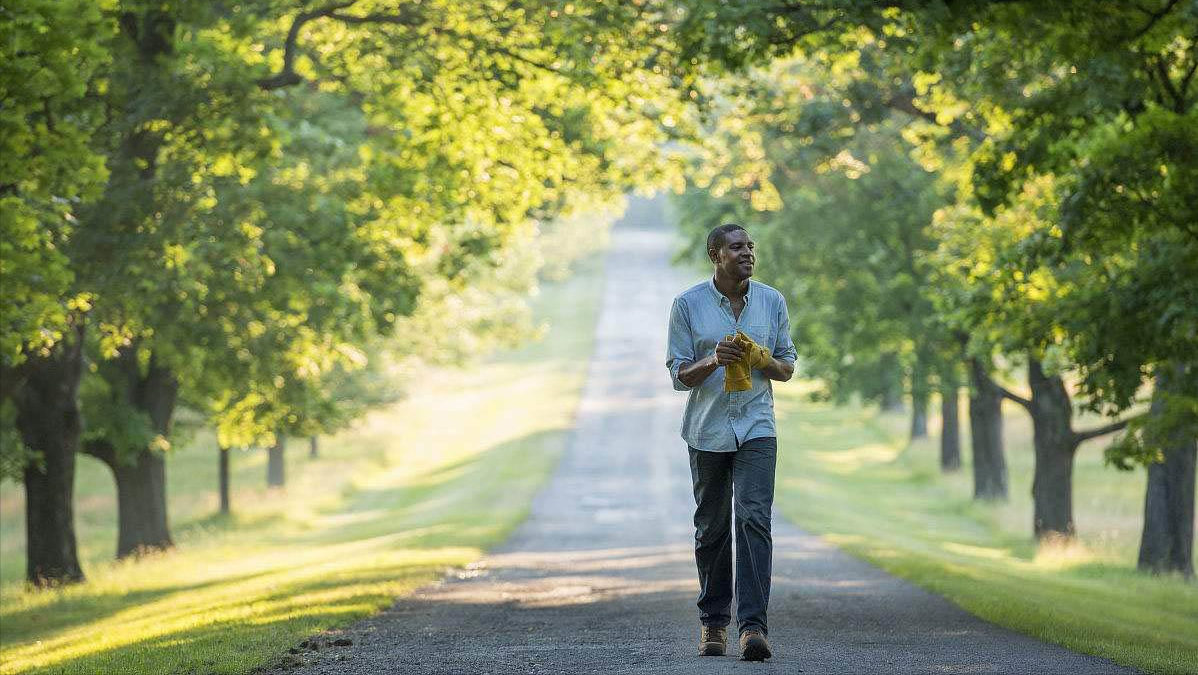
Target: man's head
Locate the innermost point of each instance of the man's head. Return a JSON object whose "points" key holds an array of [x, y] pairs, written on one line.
{"points": [[731, 250]]}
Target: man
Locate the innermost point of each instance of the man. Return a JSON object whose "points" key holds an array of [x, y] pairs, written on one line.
{"points": [[729, 337]]}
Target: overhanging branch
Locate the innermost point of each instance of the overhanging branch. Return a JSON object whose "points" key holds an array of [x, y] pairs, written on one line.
{"points": [[287, 76], [1083, 436], [1010, 395]]}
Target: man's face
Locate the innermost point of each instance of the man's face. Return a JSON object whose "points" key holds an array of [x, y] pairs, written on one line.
{"points": [[735, 258]]}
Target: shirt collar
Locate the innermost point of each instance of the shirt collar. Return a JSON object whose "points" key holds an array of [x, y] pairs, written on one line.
{"points": [[720, 297]]}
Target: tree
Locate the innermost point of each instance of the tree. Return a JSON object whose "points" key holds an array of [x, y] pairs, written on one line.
{"points": [[1132, 216], [1098, 109], [49, 55]]}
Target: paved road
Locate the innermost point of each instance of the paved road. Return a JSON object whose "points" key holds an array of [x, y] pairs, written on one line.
{"points": [[601, 578]]}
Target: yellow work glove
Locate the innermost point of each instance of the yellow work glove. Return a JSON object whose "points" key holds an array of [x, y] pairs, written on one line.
{"points": [[756, 356], [736, 374]]}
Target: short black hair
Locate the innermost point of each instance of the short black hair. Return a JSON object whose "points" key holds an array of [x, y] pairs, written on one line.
{"points": [[716, 238]]}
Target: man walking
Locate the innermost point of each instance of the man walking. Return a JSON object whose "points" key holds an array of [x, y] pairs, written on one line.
{"points": [[729, 337]]}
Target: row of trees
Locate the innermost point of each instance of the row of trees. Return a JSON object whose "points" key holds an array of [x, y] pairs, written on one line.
{"points": [[232, 207], [949, 191]]}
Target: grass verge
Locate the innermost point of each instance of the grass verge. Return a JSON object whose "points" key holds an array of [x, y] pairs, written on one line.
{"points": [[851, 479], [419, 487]]}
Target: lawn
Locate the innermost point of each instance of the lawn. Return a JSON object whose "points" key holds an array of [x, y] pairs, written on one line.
{"points": [[854, 479], [419, 487]]}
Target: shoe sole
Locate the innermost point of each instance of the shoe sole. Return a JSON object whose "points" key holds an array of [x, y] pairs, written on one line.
{"points": [[712, 649], [755, 651]]}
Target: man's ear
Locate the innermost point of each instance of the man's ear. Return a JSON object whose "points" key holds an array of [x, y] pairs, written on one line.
{"points": [[713, 255]]}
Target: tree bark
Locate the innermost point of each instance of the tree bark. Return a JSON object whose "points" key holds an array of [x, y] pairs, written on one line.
{"points": [[950, 429], [920, 394], [313, 447], [224, 481], [141, 505], [142, 517], [892, 383], [276, 475], [143, 523], [1167, 541], [985, 428], [1055, 445], [919, 416], [891, 401], [48, 419]]}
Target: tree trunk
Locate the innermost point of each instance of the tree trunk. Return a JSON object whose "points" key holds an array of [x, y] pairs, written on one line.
{"points": [[275, 467], [48, 419], [892, 383], [985, 428], [919, 416], [141, 505], [919, 402], [1167, 542], [891, 401], [950, 430], [224, 481], [1055, 445], [143, 522], [313, 447], [142, 518]]}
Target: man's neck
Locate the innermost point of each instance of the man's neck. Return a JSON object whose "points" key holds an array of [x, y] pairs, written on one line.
{"points": [[730, 288]]}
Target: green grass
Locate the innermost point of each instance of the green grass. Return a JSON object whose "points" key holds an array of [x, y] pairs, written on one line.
{"points": [[417, 488], [848, 474]]}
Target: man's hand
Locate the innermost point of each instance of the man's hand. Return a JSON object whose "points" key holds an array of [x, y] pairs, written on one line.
{"points": [[728, 351]]}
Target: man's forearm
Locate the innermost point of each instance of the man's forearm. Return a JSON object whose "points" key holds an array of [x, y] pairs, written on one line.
{"points": [[779, 370], [693, 374]]}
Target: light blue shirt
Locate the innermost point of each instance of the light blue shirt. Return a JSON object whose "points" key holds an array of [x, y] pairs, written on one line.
{"points": [[701, 316]]}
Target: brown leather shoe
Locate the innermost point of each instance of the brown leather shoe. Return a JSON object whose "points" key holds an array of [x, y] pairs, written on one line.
{"points": [[713, 641], [754, 646]]}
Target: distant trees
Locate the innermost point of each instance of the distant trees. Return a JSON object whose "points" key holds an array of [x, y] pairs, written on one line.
{"points": [[226, 207], [1047, 204]]}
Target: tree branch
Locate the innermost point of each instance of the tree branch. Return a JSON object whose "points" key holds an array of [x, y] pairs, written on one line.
{"points": [[287, 76], [1153, 18], [100, 449], [1162, 72], [1184, 87], [1010, 395], [1083, 436]]}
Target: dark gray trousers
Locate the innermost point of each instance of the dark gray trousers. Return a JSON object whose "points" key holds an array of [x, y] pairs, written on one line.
{"points": [[740, 483]]}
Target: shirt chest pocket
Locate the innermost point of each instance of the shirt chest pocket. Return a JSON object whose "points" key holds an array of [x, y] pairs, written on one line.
{"points": [[762, 334]]}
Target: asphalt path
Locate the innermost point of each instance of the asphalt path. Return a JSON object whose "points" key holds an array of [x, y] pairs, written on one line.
{"points": [[601, 577]]}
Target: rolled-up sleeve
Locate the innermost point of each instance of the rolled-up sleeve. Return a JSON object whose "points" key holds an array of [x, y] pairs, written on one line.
{"points": [[784, 347], [680, 349]]}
